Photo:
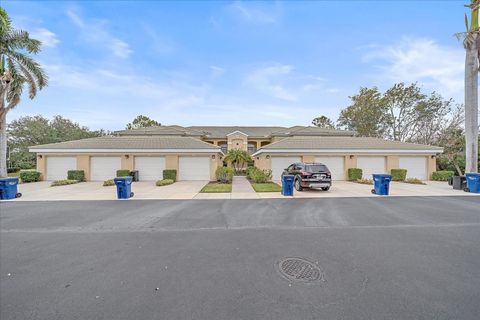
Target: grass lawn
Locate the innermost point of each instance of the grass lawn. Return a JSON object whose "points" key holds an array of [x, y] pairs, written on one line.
{"points": [[215, 187], [266, 187]]}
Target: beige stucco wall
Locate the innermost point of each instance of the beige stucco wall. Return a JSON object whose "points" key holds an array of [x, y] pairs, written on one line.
{"points": [[171, 162], [127, 162], [393, 162], [431, 165], [83, 163], [263, 162], [308, 158], [42, 165]]}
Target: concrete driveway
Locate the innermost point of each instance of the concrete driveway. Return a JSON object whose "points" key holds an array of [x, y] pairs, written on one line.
{"points": [[41, 191], [380, 258]]}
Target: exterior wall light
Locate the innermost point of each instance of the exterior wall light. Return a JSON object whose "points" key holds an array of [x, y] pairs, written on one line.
{"points": [[40, 156], [258, 158], [127, 156], [433, 156], [213, 156], [351, 156], [268, 157]]}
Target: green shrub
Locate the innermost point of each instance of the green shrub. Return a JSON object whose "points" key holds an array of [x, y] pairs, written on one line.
{"points": [[29, 176], [354, 174], [108, 183], [13, 169], [398, 174], [224, 174], [442, 175], [123, 173], [170, 174], [164, 182], [249, 171], [414, 181], [57, 183], [261, 176], [78, 175]]}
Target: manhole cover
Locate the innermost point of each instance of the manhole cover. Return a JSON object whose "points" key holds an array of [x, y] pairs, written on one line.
{"points": [[299, 269]]}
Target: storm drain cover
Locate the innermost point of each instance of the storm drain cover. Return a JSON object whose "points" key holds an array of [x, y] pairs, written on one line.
{"points": [[299, 269]]}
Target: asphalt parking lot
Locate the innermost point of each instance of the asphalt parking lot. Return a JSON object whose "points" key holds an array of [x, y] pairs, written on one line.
{"points": [[379, 258]]}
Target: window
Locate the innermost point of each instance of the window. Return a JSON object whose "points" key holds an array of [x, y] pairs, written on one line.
{"points": [[224, 147], [252, 148], [316, 168]]}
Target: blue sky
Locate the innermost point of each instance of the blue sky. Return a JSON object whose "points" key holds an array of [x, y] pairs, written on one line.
{"points": [[234, 63]]}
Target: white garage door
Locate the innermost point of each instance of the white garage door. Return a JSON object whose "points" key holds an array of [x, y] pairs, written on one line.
{"points": [[371, 165], [194, 168], [281, 163], [104, 168], [150, 168], [416, 167], [336, 166], [57, 167]]}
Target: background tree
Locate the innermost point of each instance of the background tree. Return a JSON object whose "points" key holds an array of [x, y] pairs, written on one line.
{"points": [[471, 43], [141, 121], [366, 115], [34, 130], [323, 122], [17, 69]]}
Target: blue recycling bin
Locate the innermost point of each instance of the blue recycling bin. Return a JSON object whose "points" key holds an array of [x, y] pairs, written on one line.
{"points": [[381, 184], [8, 188], [287, 185], [124, 187], [473, 182]]}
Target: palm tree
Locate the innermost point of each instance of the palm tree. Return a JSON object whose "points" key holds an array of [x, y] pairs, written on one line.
{"points": [[16, 70], [238, 158], [471, 43]]}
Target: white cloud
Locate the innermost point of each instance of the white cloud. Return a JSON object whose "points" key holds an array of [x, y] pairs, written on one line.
{"points": [[216, 71], [47, 37], [252, 13], [269, 80], [96, 32], [436, 67]]}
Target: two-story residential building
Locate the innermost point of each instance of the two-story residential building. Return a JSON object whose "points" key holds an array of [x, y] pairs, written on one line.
{"points": [[196, 151]]}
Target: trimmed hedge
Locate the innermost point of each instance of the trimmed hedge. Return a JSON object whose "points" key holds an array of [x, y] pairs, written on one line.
{"points": [[78, 175], [123, 173], [261, 176], [57, 183], [354, 174], [224, 174], [164, 182], [29, 176], [108, 183], [442, 175], [398, 174], [170, 174]]}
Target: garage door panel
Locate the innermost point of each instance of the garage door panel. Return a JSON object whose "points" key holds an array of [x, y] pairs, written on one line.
{"points": [[57, 167], [336, 165], [104, 168], [150, 168], [371, 165], [281, 163], [416, 167], [194, 168]]}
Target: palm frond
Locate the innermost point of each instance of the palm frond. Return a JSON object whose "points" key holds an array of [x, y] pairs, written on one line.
{"points": [[32, 84], [16, 86], [31, 65], [20, 39]]}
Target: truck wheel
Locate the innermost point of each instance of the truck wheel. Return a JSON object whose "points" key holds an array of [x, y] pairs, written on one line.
{"points": [[298, 186]]}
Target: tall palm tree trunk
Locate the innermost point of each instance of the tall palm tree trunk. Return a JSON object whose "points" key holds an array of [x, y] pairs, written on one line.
{"points": [[471, 107], [3, 134]]}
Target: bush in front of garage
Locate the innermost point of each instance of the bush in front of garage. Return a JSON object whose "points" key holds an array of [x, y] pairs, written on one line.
{"points": [[224, 174], [78, 175], [442, 175], [29, 176], [354, 174], [164, 182], [123, 173], [170, 174], [58, 183], [260, 176], [108, 183], [398, 174]]}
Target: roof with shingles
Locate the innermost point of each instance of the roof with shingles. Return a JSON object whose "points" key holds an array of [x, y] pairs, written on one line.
{"points": [[131, 142], [328, 142]]}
